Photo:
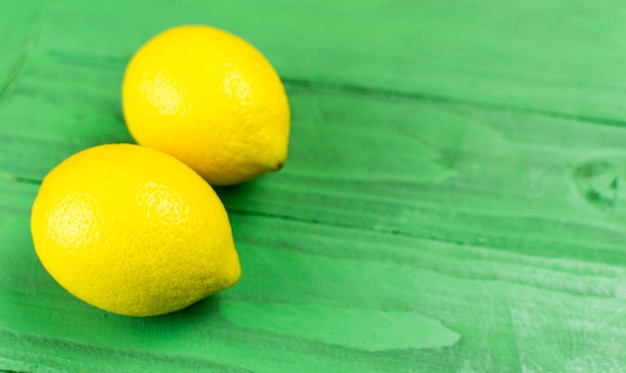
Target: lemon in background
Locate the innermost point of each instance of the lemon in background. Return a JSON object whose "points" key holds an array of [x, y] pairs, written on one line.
{"points": [[210, 99], [133, 231]]}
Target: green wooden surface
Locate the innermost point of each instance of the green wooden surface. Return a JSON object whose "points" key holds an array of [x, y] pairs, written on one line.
{"points": [[452, 202]]}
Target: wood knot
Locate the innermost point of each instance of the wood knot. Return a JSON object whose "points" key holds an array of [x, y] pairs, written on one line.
{"points": [[599, 181]]}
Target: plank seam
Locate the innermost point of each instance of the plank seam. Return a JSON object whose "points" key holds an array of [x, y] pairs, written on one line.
{"points": [[389, 94]]}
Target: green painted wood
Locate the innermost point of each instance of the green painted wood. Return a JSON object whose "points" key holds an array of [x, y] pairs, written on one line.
{"points": [[452, 202]]}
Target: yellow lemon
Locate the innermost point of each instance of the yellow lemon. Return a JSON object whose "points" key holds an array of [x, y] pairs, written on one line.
{"points": [[211, 100], [133, 231]]}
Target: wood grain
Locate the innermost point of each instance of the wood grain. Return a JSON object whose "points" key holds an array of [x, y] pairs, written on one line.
{"points": [[452, 202]]}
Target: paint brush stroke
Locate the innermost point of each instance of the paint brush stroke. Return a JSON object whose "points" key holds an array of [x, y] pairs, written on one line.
{"points": [[356, 328]]}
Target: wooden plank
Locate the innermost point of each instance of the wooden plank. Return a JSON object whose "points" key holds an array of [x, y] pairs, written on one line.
{"points": [[510, 310], [558, 58], [410, 167]]}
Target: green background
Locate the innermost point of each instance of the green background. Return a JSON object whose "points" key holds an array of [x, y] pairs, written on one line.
{"points": [[453, 200]]}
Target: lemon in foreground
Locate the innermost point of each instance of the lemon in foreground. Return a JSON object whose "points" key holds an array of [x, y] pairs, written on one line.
{"points": [[133, 231], [211, 100]]}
